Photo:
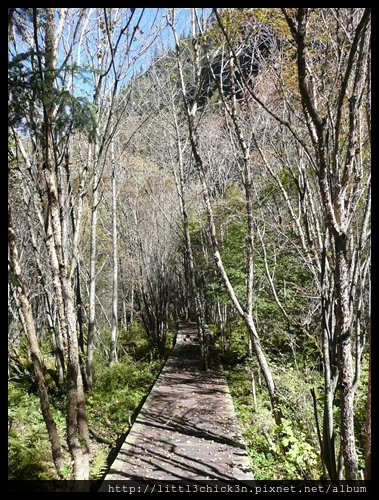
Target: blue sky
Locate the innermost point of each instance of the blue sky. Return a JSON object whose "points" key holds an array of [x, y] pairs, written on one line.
{"points": [[153, 22]]}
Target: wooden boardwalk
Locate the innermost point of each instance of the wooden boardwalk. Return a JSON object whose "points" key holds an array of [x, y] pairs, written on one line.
{"points": [[187, 428]]}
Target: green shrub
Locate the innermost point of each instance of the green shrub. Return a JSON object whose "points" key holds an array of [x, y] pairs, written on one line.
{"points": [[289, 451], [29, 451], [117, 393], [300, 457]]}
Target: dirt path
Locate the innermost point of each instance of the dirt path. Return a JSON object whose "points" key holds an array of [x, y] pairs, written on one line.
{"points": [[187, 428]]}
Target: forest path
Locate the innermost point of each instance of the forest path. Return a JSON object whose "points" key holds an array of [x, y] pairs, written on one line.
{"points": [[187, 428]]}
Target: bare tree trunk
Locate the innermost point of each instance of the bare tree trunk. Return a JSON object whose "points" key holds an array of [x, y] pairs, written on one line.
{"points": [[34, 348], [345, 362], [334, 174], [47, 199], [330, 377], [113, 349], [95, 156], [75, 265], [92, 270], [80, 309], [191, 110], [251, 375], [222, 319], [77, 429], [56, 338], [368, 420], [189, 260], [131, 307]]}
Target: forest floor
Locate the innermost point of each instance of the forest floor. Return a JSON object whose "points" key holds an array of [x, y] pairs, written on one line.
{"points": [[187, 428]]}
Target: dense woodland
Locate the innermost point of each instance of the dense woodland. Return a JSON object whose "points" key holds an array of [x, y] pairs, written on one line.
{"points": [[201, 164]]}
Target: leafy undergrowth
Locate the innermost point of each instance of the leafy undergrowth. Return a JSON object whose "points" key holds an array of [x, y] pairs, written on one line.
{"points": [[29, 452], [289, 451], [117, 393]]}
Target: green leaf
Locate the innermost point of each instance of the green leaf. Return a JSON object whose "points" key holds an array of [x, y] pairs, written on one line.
{"points": [[13, 279]]}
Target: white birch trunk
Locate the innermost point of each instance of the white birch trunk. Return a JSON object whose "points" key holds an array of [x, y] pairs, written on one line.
{"points": [[113, 350]]}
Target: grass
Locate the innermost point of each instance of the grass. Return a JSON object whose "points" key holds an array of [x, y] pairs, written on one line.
{"points": [[117, 392]]}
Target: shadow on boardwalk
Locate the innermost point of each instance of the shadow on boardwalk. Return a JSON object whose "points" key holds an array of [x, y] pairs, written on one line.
{"points": [[187, 427]]}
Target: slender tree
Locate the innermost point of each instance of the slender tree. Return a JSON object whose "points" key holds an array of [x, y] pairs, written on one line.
{"points": [[37, 362], [334, 145], [77, 428], [191, 111], [113, 350]]}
